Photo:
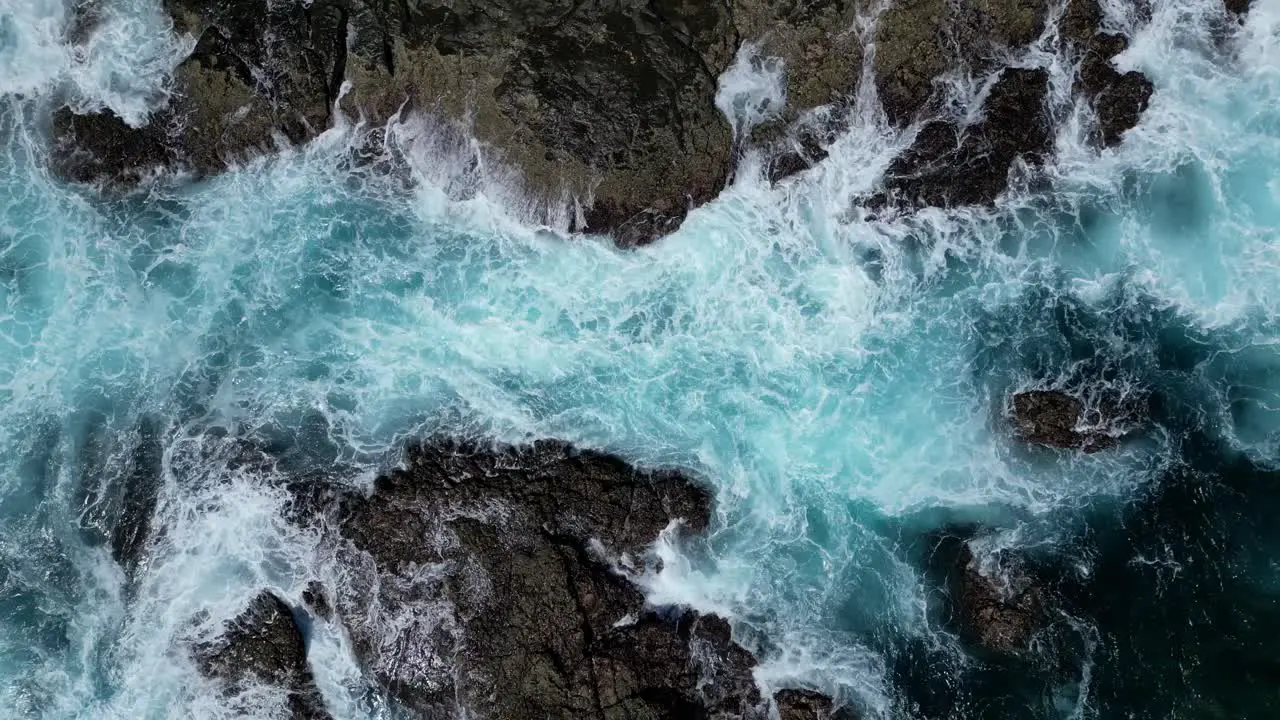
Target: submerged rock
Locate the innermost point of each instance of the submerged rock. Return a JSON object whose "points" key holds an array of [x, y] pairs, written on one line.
{"points": [[951, 166], [263, 645], [1053, 418], [495, 578], [120, 481]]}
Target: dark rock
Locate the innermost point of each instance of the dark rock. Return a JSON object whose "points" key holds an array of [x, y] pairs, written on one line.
{"points": [[120, 482], [503, 571], [918, 40], [995, 617], [802, 705], [316, 599], [1049, 417], [949, 166], [264, 645], [1119, 98], [1238, 8], [802, 148]]}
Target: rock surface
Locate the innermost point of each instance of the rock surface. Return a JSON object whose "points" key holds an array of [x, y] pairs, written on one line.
{"points": [[919, 40], [263, 645], [1119, 98], [1049, 417], [603, 107], [996, 617], [795, 704], [495, 578], [948, 165]]}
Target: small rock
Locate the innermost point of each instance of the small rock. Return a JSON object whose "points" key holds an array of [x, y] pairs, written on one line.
{"points": [[1050, 417], [794, 704], [264, 645]]}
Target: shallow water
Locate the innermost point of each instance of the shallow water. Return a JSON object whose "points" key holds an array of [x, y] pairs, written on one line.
{"points": [[839, 381]]}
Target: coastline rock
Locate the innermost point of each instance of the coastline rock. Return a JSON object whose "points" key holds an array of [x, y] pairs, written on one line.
{"points": [[264, 645], [1053, 418], [316, 598], [950, 166], [1119, 98], [497, 579], [119, 498], [919, 40]]}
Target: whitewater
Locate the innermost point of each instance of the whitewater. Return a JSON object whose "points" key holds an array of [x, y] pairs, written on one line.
{"points": [[840, 380]]}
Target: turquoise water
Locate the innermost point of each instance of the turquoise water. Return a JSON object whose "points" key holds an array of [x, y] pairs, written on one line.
{"points": [[840, 382]]}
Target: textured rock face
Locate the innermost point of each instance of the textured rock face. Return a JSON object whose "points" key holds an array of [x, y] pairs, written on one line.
{"points": [[491, 578], [919, 40], [951, 166], [264, 645], [1120, 98], [1046, 417], [610, 104], [995, 618], [802, 705]]}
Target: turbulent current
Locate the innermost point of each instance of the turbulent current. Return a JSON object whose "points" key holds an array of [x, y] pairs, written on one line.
{"points": [[839, 379]]}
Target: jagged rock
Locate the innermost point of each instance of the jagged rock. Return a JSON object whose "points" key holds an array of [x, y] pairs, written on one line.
{"points": [[1119, 98], [919, 40], [609, 104], [316, 599], [995, 617], [950, 166], [1238, 8], [493, 578], [1049, 417], [264, 645], [796, 704]]}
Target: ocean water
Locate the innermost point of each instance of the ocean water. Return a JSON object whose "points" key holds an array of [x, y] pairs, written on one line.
{"points": [[840, 380]]}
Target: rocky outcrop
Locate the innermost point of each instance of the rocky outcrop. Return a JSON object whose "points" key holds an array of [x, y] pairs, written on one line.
{"points": [[948, 165], [1056, 419], [497, 579], [606, 109], [919, 40], [263, 645], [1119, 98], [996, 615], [793, 704]]}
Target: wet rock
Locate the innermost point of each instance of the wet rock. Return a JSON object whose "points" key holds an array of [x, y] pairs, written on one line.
{"points": [[1119, 98], [120, 482], [950, 166], [996, 616], [1053, 418], [264, 645], [495, 578], [795, 704], [316, 598], [919, 40], [1237, 7], [607, 108]]}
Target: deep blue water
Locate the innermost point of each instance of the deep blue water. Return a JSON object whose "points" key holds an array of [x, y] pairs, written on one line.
{"points": [[840, 383]]}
